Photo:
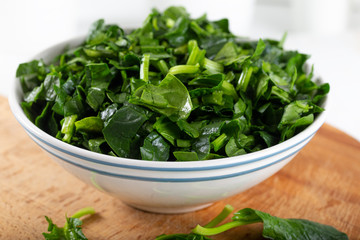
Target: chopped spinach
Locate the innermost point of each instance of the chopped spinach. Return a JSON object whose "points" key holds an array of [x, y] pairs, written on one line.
{"points": [[176, 89]]}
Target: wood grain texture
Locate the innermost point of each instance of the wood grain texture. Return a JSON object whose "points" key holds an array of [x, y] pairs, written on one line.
{"points": [[322, 183]]}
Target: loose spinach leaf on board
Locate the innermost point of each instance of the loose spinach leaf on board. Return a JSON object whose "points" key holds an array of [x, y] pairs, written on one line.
{"points": [[273, 227], [72, 228], [175, 89], [289, 229]]}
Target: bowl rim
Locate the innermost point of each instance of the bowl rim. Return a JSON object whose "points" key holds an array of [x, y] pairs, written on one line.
{"points": [[16, 95]]}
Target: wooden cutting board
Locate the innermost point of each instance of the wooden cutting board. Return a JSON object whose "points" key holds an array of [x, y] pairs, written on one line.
{"points": [[322, 183]]}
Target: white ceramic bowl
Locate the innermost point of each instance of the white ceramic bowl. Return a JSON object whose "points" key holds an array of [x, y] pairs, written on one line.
{"points": [[164, 187]]}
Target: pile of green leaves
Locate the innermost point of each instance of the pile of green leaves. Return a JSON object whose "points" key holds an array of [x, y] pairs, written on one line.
{"points": [[175, 89], [273, 227]]}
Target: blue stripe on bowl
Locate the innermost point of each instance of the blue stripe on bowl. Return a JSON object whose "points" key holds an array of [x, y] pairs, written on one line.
{"points": [[150, 179], [164, 168]]}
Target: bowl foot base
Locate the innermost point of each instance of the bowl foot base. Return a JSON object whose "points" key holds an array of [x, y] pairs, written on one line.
{"points": [[169, 210]]}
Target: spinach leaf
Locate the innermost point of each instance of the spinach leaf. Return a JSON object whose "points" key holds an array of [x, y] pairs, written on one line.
{"points": [[168, 129], [108, 112], [68, 127], [72, 228], [278, 228], [95, 144], [75, 105], [89, 124], [155, 148], [120, 132], [185, 156], [31, 74], [188, 128], [232, 149], [50, 81], [95, 98], [98, 75], [46, 120], [30, 68], [35, 94], [170, 98], [202, 146], [273, 227]]}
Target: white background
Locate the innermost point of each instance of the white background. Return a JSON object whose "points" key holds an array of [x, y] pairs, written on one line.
{"points": [[328, 30]]}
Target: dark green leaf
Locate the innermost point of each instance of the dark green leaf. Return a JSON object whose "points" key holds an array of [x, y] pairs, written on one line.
{"points": [[98, 75], [289, 229], [294, 111], [72, 228], [37, 93], [108, 112], [274, 227], [232, 148], [188, 128], [202, 146], [155, 148], [170, 98], [50, 82], [95, 144], [168, 129], [95, 97], [121, 130], [47, 121], [75, 105]]}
